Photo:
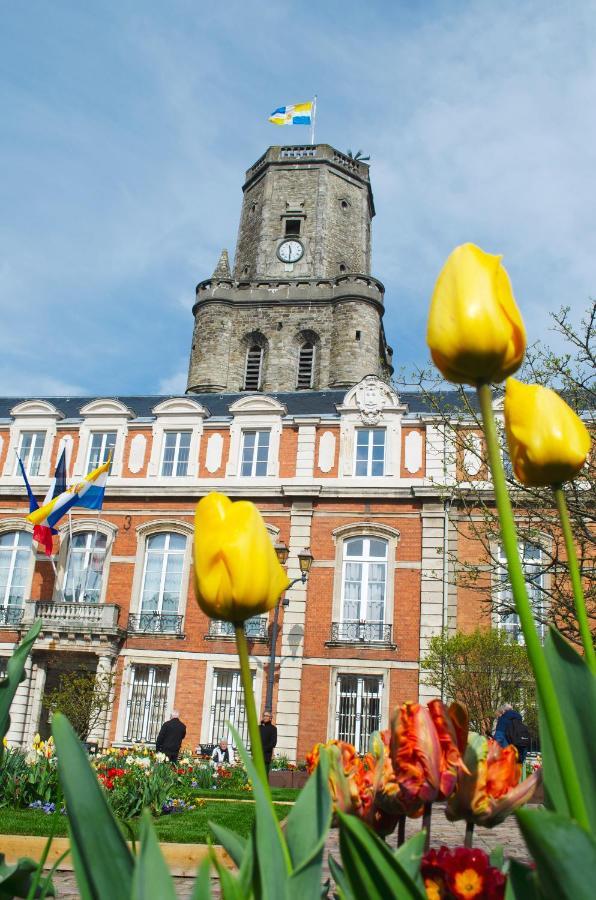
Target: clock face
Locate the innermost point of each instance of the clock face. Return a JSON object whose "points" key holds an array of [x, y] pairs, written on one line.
{"points": [[290, 251]]}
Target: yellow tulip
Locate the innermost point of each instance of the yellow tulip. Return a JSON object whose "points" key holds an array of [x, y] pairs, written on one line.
{"points": [[548, 443], [475, 331], [237, 573]]}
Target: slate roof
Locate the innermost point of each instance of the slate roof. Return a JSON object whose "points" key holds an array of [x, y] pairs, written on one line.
{"points": [[298, 403]]}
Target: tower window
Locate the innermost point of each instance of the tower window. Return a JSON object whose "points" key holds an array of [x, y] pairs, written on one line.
{"points": [[342, 268], [357, 335], [305, 366], [254, 365], [293, 227], [344, 204]]}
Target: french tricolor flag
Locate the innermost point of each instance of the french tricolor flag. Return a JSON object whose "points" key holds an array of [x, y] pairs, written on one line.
{"points": [[43, 533]]}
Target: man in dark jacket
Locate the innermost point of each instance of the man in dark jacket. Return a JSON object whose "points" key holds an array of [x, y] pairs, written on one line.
{"points": [[170, 737], [510, 729], [268, 737]]}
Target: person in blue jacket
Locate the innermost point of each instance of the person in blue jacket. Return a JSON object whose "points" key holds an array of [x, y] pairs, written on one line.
{"points": [[510, 729]]}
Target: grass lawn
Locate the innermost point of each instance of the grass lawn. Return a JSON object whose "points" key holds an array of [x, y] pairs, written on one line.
{"points": [[281, 794], [186, 828]]}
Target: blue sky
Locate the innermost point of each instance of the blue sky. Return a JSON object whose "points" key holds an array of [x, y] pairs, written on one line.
{"points": [[127, 127]]}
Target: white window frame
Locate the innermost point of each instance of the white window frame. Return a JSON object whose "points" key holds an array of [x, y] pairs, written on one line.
{"points": [[103, 447], [87, 552], [4, 604], [27, 462], [255, 412], [365, 561], [257, 445], [102, 415], [165, 553], [176, 414], [360, 676], [235, 694], [357, 412], [150, 684], [31, 415], [513, 627], [376, 531], [370, 445], [178, 442]]}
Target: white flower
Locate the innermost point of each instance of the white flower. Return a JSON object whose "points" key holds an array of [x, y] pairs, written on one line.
{"points": [[160, 757]]}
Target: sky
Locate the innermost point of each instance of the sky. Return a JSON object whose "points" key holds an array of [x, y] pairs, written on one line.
{"points": [[127, 127]]}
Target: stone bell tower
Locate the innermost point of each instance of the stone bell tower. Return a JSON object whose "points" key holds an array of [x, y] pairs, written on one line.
{"points": [[300, 310]]}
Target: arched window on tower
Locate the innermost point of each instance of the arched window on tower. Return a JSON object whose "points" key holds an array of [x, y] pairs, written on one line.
{"points": [[253, 370], [306, 360]]}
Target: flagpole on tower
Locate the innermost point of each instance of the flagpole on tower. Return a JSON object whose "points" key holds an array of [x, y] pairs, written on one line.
{"points": [[314, 116]]}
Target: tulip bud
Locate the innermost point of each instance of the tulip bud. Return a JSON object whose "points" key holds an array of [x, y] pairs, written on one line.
{"points": [[475, 330], [548, 443], [237, 573]]}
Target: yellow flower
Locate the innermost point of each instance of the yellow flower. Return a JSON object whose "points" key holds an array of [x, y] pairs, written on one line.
{"points": [[475, 330], [237, 573], [548, 443]]}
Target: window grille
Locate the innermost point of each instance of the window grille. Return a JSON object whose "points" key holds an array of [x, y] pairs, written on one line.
{"points": [[30, 449], [364, 583], [102, 443], [3, 666], [255, 453], [162, 576], [252, 374], [227, 707], [84, 567], [15, 561], [358, 709], [370, 451], [176, 453], [146, 704], [306, 361], [533, 570]]}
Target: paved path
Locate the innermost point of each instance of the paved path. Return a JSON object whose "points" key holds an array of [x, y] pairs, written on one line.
{"points": [[442, 832]]}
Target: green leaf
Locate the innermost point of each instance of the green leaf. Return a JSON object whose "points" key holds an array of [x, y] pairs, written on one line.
{"points": [[576, 688], [15, 673], [232, 843], [409, 855], [273, 858], [564, 853], [339, 876], [17, 879], [522, 883], [306, 830], [369, 865], [103, 863], [202, 885], [497, 857], [230, 886], [151, 879], [247, 870]]}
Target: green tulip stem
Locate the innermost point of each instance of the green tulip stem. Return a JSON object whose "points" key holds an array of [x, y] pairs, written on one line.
{"points": [[426, 817], [544, 682], [576, 582], [256, 747], [469, 837]]}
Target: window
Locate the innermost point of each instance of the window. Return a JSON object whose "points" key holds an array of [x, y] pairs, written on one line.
{"points": [[255, 627], [293, 227], [370, 451], [533, 569], [176, 452], [227, 706], [15, 561], [162, 580], [306, 360], [364, 583], [3, 666], [252, 372], [84, 567], [146, 704], [30, 450], [101, 444], [255, 452], [358, 712]]}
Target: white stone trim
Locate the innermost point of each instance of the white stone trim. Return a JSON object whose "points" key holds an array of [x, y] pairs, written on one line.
{"points": [[78, 525], [218, 661], [31, 415], [358, 668], [145, 658], [102, 415], [144, 531], [364, 529], [260, 413], [371, 404], [178, 414]]}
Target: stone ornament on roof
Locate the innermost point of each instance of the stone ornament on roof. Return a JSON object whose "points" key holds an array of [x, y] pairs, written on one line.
{"points": [[372, 396], [222, 269]]}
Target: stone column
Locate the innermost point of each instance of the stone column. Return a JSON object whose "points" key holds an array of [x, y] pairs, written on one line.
{"points": [[99, 732], [431, 585], [38, 683], [292, 644], [20, 707]]}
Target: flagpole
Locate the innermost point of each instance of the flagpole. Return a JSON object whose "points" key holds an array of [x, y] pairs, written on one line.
{"points": [[314, 116]]}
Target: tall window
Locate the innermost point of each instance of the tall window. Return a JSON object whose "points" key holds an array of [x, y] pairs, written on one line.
{"points": [[176, 451], [306, 361], [15, 560], [30, 449], [364, 583], [162, 580], [254, 365], [533, 570], [255, 452], [84, 567], [102, 443], [370, 451], [227, 706], [146, 704], [358, 711]]}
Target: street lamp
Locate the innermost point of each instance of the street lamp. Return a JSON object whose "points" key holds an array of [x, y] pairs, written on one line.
{"points": [[305, 560]]}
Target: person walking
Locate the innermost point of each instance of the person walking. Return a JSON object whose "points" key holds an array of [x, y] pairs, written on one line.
{"points": [[511, 729], [170, 737], [268, 733]]}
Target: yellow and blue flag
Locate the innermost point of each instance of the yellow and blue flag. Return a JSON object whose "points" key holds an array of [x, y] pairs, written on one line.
{"points": [[298, 114], [88, 493]]}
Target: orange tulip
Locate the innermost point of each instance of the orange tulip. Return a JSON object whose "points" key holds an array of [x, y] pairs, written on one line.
{"points": [[490, 789], [425, 752]]}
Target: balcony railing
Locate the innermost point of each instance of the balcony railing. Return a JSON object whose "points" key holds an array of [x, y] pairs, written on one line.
{"points": [[11, 615], [69, 616], [369, 633], [155, 623], [255, 629]]}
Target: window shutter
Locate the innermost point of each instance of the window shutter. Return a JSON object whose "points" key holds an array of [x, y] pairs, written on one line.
{"points": [[252, 375]]}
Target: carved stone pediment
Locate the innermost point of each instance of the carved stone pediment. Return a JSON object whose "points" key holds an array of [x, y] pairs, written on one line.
{"points": [[372, 398]]}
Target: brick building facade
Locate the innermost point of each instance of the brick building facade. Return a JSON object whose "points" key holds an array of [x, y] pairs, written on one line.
{"points": [[287, 406]]}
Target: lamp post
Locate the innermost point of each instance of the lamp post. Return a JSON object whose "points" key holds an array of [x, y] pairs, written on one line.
{"points": [[305, 559]]}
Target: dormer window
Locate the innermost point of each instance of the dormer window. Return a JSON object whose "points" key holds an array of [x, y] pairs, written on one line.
{"points": [[254, 364], [292, 227], [30, 449], [306, 360]]}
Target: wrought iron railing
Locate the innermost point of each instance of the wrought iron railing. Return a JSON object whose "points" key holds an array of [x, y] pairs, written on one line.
{"points": [[360, 633], [255, 628], [155, 623], [11, 615]]}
